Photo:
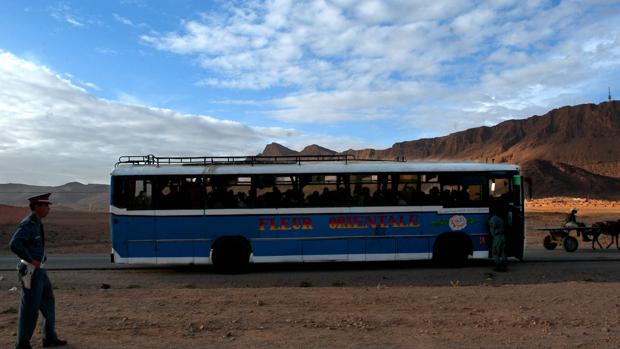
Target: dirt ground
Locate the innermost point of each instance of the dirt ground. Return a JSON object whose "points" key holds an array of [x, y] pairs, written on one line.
{"points": [[549, 305], [393, 305]]}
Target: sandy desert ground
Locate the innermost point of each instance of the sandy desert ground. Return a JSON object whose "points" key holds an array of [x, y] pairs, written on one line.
{"points": [[406, 305]]}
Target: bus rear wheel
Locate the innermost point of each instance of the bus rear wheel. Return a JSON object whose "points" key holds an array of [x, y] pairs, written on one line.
{"points": [[451, 251], [231, 255]]}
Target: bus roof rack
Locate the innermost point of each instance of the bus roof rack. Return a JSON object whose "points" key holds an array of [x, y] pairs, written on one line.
{"points": [[229, 160]]}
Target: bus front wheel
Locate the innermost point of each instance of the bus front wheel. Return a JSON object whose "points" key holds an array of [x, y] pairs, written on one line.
{"points": [[230, 255]]}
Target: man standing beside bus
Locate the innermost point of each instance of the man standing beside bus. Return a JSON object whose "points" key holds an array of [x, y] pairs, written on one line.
{"points": [[496, 228], [28, 243]]}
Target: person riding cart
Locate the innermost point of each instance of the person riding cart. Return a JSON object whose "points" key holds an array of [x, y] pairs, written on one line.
{"points": [[571, 222]]}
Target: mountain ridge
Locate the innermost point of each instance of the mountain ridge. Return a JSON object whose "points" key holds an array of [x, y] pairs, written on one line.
{"points": [[571, 141]]}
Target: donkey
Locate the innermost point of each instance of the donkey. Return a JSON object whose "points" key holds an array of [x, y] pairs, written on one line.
{"points": [[611, 228]]}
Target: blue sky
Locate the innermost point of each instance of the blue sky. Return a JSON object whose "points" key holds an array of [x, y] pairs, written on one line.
{"points": [[87, 81]]}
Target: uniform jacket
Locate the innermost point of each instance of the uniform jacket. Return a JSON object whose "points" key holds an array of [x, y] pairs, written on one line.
{"points": [[28, 241]]}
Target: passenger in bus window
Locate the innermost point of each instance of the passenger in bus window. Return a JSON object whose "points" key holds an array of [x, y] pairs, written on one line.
{"points": [[313, 199], [241, 200], [378, 198], [434, 195], [464, 194], [325, 198], [366, 199], [142, 201], [342, 197]]}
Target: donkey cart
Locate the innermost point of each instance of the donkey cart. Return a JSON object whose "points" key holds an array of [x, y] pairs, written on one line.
{"points": [[561, 237]]}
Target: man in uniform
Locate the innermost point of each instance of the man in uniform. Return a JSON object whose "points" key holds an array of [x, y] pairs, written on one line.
{"points": [[571, 222], [28, 243], [496, 228]]}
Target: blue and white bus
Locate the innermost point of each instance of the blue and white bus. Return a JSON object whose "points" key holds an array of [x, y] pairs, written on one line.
{"points": [[231, 211]]}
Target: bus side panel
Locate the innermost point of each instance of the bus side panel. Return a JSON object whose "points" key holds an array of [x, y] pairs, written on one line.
{"points": [[179, 239], [136, 236], [325, 250], [267, 245], [412, 248], [357, 249], [380, 249], [277, 251], [473, 225], [478, 230], [118, 236], [284, 238]]}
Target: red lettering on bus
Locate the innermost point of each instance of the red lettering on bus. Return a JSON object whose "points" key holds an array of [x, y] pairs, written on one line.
{"points": [[370, 221], [284, 224], [307, 223], [381, 221], [295, 222]]}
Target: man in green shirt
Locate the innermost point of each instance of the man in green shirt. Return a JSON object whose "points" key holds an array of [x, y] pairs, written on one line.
{"points": [[496, 228]]}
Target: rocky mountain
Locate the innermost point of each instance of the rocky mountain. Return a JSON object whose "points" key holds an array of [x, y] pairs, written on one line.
{"points": [[275, 149], [317, 150], [571, 151], [70, 196]]}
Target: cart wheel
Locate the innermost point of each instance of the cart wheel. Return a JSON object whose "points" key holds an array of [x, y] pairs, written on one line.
{"points": [[570, 244], [549, 244]]}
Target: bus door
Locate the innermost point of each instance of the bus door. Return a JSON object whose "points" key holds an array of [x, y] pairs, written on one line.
{"points": [[515, 237]]}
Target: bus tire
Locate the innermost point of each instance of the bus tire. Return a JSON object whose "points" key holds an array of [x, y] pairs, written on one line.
{"points": [[570, 244], [452, 250], [549, 244], [231, 255]]}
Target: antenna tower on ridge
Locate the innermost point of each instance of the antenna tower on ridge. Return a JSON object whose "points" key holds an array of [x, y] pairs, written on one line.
{"points": [[609, 94]]}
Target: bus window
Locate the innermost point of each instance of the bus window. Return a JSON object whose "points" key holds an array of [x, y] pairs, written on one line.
{"points": [[475, 192], [499, 187], [364, 185], [229, 192], [407, 189], [383, 189], [431, 188], [325, 190], [277, 191], [119, 192], [141, 194], [174, 193]]}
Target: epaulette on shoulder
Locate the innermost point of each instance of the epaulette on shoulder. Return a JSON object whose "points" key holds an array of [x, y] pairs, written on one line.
{"points": [[26, 221]]}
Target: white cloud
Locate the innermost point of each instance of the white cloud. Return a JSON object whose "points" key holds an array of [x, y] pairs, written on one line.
{"points": [[349, 60], [56, 132], [123, 20], [64, 13], [74, 22]]}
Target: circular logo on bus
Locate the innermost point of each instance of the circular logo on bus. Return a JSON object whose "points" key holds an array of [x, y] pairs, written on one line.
{"points": [[457, 222]]}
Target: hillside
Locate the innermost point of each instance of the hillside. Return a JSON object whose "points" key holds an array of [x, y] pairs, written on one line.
{"points": [[70, 196], [570, 151]]}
